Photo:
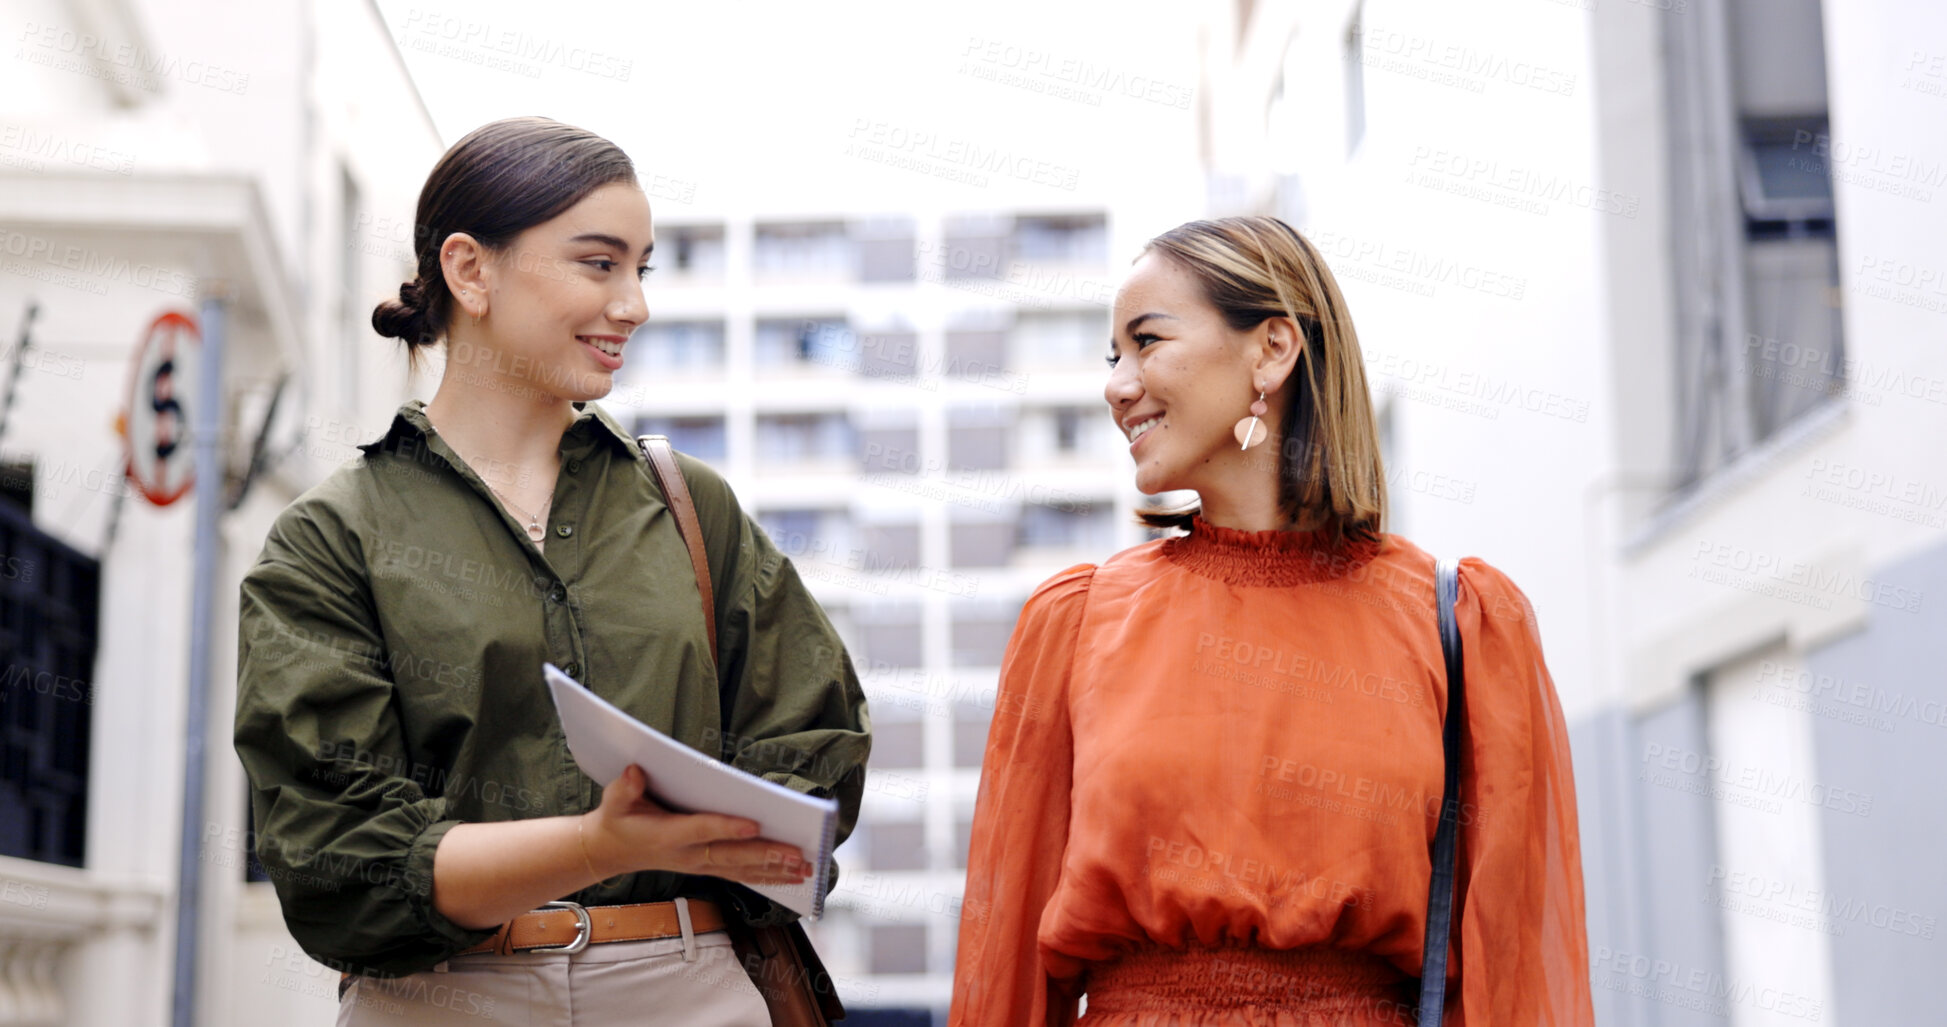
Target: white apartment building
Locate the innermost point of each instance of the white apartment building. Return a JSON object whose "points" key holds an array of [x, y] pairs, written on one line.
{"points": [[152, 153], [911, 404], [1652, 295]]}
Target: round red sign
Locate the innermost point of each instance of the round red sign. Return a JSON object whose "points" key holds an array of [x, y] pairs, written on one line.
{"points": [[162, 392]]}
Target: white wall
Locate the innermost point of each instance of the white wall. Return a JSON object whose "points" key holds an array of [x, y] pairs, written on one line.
{"points": [[276, 95]]}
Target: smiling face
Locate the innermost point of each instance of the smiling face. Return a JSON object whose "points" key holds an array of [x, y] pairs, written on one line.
{"points": [[558, 303], [1180, 379]]}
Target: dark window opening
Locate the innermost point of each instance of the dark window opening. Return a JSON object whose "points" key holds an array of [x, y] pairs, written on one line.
{"points": [[50, 613]]}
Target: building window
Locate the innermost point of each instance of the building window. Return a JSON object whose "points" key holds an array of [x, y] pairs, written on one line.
{"points": [[1755, 263], [977, 439], [1073, 525], [889, 637], [814, 534], [677, 346], [696, 250], [1059, 340], [981, 543], [804, 438], [980, 631], [970, 724], [890, 449], [50, 613], [976, 354], [889, 548], [898, 744], [1068, 429], [1059, 435], [700, 437], [1062, 239], [977, 247], [797, 343], [889, 354], [895, 845], [788, 524], [962, 840], [839, 612], [886, 250], [802, 249], [897, 949], [17, 483], [1791, 261]]}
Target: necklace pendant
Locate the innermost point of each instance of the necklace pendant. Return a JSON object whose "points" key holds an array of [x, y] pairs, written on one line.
{"points": [[535, 532]]}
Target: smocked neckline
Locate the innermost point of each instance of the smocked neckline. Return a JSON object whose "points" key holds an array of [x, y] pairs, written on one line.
{"points": [[1266, 558]]}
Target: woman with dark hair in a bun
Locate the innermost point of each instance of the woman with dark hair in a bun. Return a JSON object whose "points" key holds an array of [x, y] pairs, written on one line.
{"points": [[405, 318], [413, 797]]}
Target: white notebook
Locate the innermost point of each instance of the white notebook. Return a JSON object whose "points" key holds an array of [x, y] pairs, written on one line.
{"points": [[605, 740]]}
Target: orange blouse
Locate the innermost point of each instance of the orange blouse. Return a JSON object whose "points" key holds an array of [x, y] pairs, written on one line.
{"points": [[1233, 739]]}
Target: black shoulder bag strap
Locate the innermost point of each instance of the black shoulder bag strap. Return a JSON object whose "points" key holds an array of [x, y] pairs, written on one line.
{"points": [[1440, 893]]}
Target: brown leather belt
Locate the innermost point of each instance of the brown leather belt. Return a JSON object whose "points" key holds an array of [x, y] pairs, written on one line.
{"points": [[571, 927]]}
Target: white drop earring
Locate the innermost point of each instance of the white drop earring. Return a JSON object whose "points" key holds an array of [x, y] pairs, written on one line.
{"points": [[1250, 431]]}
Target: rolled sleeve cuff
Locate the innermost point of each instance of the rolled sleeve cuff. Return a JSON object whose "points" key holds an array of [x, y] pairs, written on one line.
{"points": [[804, 785], [419, 888]]}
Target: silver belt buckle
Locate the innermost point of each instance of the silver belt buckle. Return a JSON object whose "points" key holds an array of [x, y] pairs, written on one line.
{"points": [[584, 928]]}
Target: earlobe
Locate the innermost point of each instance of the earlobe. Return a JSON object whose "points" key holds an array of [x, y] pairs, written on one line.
{"points": [[460, 262], [472, 301]]}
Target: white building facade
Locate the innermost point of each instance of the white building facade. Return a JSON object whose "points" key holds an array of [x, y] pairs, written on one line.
{"points": [[152, 155], [1652, 297]]}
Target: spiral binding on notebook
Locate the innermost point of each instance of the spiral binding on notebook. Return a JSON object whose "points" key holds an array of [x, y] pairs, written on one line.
{"points": [[824, 865]]}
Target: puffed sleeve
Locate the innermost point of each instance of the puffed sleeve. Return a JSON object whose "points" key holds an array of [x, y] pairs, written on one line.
{"points": [[1020, 825], [1522, 952], [796, 713], [345, 834]]}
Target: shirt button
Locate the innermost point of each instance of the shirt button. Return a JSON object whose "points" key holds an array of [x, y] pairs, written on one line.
{"points": [[573, 669], [557, 594], [565, 530], [574, 467]]}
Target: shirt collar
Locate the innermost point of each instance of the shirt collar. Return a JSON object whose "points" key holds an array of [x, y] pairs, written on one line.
{"points": [[411, 421]]}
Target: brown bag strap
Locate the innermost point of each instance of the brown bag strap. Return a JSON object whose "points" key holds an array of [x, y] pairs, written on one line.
{"points": [[780, 961], [676, 493]]}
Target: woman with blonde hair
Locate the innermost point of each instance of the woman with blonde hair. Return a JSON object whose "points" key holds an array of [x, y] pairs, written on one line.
{"points": [[1216, 768], [415, 803]]}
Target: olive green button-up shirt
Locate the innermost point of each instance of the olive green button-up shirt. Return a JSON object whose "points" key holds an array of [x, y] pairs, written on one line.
{"points": [[389, 674]]}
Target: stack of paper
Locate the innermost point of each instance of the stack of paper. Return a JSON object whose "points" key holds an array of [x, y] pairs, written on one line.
{"points": [[605, 740]]}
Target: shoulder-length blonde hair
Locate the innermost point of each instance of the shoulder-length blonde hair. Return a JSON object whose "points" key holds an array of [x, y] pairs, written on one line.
{"points": [[1329, 465]]}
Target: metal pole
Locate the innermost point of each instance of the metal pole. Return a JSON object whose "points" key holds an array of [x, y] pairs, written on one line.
{"points": [[208, 419], [19, 361]]}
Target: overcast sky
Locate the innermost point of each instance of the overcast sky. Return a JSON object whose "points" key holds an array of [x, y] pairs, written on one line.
{"points": [[842, 107]]}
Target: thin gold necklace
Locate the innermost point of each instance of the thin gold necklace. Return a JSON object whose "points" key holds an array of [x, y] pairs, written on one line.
{"points": [[535, 530]]}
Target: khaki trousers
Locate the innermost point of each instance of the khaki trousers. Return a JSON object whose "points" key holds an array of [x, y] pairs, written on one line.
{"points": [[622, 982]]}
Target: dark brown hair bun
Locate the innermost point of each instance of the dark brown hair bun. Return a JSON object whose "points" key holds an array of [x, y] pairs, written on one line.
{"points": [[500, 180]]}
